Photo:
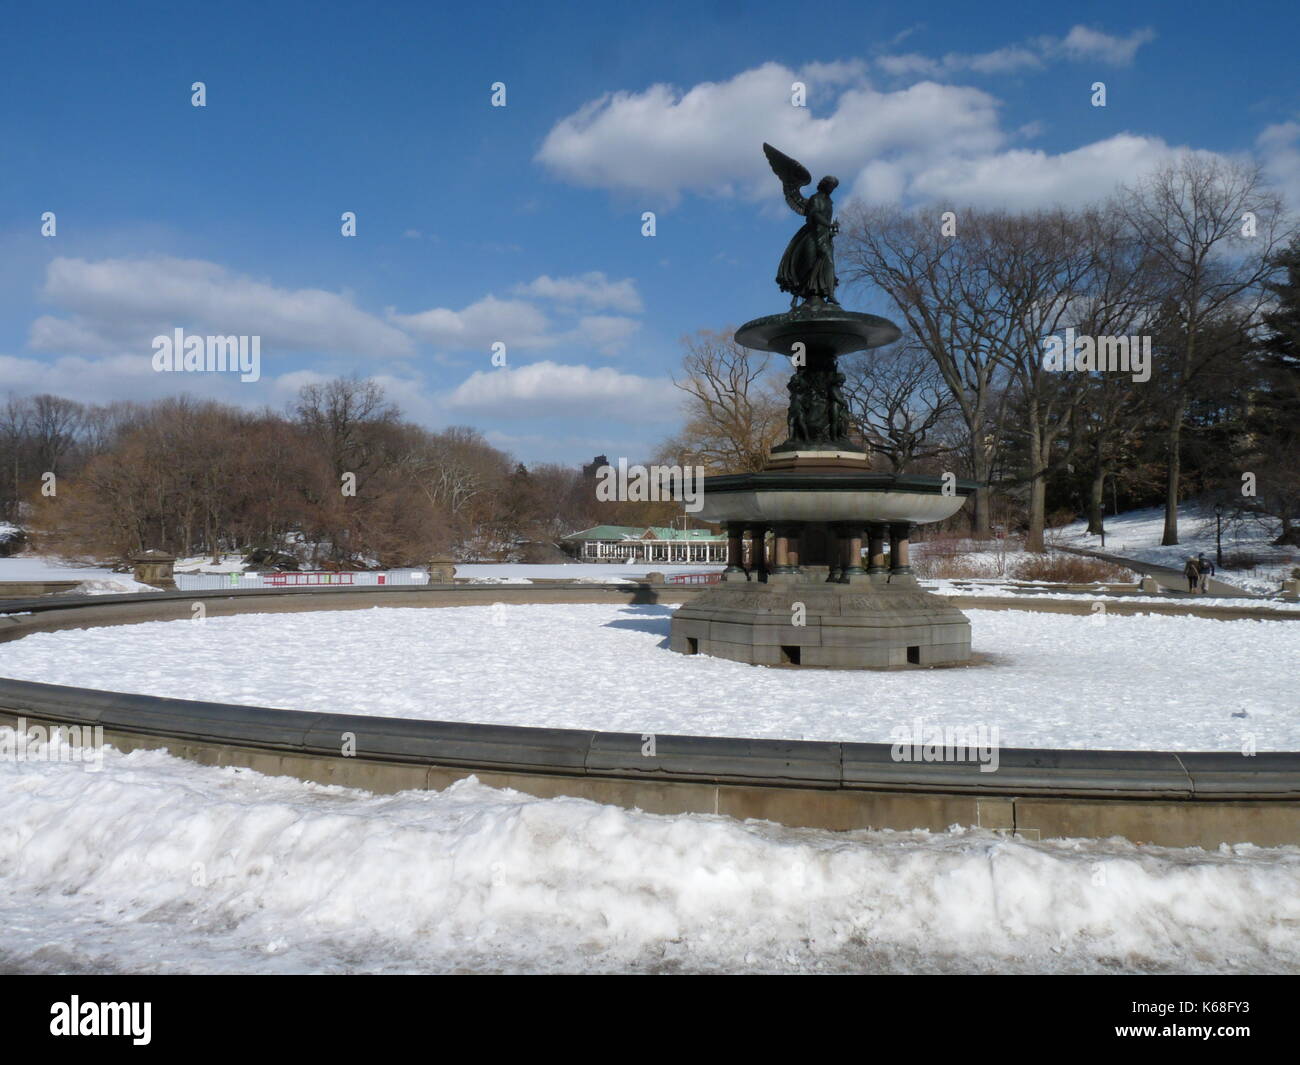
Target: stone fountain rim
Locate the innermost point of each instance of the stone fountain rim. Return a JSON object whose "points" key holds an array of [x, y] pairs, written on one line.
{"points": [[1150, 796]]}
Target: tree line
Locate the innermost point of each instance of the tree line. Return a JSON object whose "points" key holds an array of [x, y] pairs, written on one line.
{"points": [[339, 479]]}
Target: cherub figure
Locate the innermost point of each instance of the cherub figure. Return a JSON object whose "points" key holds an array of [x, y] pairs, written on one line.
{"points": [[839, 409], [795, 419]]}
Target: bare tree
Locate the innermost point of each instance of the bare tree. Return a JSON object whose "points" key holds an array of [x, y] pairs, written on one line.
{"points": [[899, 404], [1215, 229], [15, 420], [1042, 266], [55, 424], [942, 288], [733, 415], [340, 416]]}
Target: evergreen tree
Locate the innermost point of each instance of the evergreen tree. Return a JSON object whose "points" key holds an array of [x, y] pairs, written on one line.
{"points": [[1275, 417]]}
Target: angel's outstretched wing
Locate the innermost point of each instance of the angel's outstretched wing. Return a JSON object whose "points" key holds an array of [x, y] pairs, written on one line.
{"points": [[794, 176]]}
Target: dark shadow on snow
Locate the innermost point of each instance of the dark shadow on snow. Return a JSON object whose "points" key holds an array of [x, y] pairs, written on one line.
{"points": [[652, 619]]}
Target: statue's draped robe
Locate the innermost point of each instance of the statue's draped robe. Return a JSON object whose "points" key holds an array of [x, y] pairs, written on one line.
{"points": [[807, 268]]}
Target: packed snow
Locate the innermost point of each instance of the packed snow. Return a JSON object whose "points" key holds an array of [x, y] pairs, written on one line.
{"points": [[91, 580], [155, 865], [587, 572], [1021, 590], [46, 568], [1043, 680], [496, 572]]}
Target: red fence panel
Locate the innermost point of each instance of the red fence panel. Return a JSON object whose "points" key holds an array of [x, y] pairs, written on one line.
{"points": [[695, 578], [286, 580]]}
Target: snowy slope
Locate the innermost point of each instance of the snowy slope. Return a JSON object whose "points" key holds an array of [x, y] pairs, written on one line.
{"points": [[1137, 534]]}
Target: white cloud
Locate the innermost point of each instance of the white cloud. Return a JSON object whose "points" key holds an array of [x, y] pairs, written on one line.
{"points": [[909, 64], [607, 333], [662, 142], [1083, 43], [1004, 61], [837, 72], [409, 392], [516, 323], [1007, 60], [74, 376], [548, 389], [1279, 147], [105, 379], [1026, 178], [50, 333], [592, 290], [290, 384], [522, 324], [925, 143], [119, 305]]}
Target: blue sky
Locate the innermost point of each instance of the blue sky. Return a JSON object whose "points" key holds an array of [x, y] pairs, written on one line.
{"points": [[522, 224]]}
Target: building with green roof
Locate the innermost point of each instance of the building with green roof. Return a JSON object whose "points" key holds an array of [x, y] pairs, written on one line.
{"points": [[646, 543]]}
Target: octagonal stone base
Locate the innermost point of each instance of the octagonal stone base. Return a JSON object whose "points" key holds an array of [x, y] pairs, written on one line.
{"points": [[867, 624]]}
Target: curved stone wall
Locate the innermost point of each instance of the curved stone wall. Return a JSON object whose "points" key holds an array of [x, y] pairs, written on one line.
{"points": [[1167, 798]]}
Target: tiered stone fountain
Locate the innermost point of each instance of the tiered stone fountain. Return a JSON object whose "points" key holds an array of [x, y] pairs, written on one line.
{"points": [[795, 591]]}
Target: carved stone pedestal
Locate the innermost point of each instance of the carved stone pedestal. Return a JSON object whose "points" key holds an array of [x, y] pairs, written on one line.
{"points": [[442, 569], [155, 568], [801, 620]]}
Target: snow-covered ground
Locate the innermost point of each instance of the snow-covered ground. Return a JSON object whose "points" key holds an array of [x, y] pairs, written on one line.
{"points": [[510, 573], [94, 580], [44, 568], [497, 572], [1044, 680], [1007, 590], [155, 865], [1137, 534]]}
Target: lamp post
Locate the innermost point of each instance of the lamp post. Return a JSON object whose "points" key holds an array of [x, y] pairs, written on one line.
{"points": [[1218, 535]]}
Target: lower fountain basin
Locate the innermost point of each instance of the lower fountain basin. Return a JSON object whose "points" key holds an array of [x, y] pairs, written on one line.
{"points": [[827, 497]]}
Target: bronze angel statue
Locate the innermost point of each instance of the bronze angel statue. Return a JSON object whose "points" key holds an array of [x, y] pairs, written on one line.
{"points": [[807, 269]]}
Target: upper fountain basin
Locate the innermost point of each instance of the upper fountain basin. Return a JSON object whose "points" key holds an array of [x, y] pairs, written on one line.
{"points": [[827, 330]]}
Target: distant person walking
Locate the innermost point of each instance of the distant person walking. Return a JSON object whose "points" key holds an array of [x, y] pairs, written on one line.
{"points": [[1193, 574], [1206, 568]]}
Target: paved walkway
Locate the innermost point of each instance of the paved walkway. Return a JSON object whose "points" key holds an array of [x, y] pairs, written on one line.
{"points": [[1196, 606], [1169, 579]]}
